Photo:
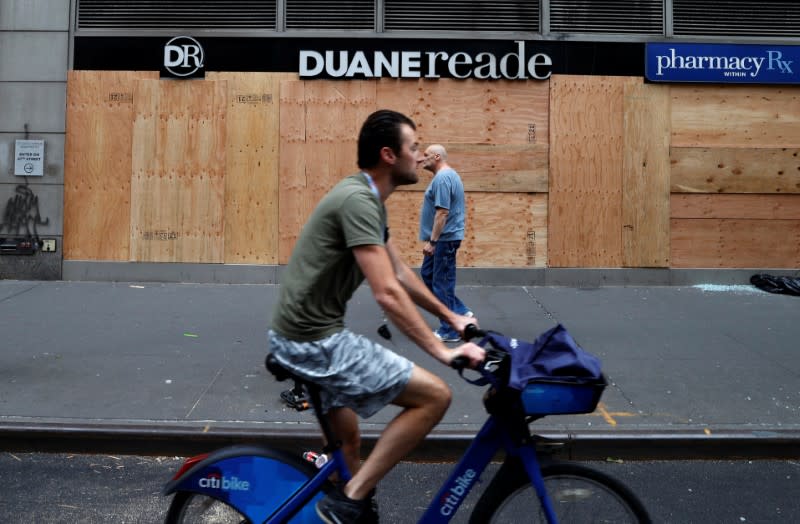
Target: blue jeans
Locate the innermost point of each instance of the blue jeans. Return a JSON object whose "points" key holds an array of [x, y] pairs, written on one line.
{"points": [[439, 274]]}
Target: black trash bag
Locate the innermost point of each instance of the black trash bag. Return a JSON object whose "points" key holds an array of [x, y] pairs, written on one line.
{"points": [[776, 284]]}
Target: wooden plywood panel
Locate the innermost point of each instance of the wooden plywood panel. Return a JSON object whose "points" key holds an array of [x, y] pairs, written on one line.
{"points": [[332, 114], [735, 170], [502, 229], [764, 207], [586, 157], [735, 116], [506, 230], [178, 185], [645, 176], [97, 164], [735, 243], [294, 205], [488, 167], [501, 112], [403, 208], [251, 178]]}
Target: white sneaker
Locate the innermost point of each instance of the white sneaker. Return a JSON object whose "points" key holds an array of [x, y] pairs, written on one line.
{"points": [[446, 338], [469, 314]]}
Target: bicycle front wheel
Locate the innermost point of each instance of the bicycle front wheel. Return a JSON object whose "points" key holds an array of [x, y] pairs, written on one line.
{"points": [[580, 495], [201, 509]]}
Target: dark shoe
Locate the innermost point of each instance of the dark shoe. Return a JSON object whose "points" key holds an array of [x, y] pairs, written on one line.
{"points": [[371, 512], [338, 508]]}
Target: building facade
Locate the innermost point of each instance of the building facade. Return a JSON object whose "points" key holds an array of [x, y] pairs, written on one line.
{"points": [[187, 140]]}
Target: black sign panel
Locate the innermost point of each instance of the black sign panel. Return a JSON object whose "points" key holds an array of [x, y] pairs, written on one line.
{"points": [[283, 54]]}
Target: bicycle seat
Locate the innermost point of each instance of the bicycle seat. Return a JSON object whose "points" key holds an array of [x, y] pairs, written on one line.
{"points": [[277, 369]]}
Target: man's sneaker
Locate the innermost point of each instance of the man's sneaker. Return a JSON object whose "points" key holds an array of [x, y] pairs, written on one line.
{"points": [[469, 314], [447, 337], [338, 508]]}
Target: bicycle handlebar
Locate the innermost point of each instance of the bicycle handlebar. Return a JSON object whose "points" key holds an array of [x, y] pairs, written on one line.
{"points": [[470, 332]]}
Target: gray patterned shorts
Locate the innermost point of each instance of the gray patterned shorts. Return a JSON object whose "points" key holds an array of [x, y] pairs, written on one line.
{"points": [[352, 370]]}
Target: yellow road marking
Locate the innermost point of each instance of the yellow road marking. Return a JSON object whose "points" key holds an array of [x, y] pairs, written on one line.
{"points": [[606, 415]]}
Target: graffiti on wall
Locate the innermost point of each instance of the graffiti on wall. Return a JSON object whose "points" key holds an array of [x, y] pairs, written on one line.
{"points": [[21, 215]]}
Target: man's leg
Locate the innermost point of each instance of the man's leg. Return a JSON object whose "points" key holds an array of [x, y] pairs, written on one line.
{"points": [[425, 399], [444, 279], [344, 423], [458, 306], [426, 271]]}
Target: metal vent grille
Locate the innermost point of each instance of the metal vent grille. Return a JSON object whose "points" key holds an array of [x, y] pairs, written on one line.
{"points": [[457, 15], [330, 14], [176, 14], [612, 16], [737, 18]]}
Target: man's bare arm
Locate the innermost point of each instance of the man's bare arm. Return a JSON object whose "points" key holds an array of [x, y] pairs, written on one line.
{"points": [[421, 295], [391, 295]]}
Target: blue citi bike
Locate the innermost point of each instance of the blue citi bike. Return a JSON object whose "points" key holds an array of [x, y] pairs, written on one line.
{"points": [[257, 484]]}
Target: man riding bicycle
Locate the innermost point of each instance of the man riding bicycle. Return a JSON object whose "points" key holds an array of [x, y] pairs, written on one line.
{"points": [[346, 240]]}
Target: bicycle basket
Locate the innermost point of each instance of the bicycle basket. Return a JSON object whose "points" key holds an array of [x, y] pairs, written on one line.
{"points": [[561, 397]]}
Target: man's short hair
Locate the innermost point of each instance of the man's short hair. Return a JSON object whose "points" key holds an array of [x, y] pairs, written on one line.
{"points": [[381, 129]]}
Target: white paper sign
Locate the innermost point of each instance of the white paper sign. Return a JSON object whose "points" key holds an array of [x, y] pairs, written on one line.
{"points": [[29, 158]]}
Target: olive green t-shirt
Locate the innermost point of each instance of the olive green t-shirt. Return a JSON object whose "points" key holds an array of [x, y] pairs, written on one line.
{"points": [[322, 273]]}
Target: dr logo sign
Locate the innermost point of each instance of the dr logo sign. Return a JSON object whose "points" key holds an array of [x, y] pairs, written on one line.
{"points": [[184, 57]]}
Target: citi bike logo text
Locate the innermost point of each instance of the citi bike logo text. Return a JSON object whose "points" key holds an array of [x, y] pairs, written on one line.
{"points": [[457, 492], [730, 66], [183, 56], [217, 481]]}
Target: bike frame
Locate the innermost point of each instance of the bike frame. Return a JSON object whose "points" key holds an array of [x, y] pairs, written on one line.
{"points": [[465, 474], [492, 437]]}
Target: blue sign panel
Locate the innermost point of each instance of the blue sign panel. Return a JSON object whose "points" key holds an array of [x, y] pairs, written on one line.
{"points": [[723, 63]]}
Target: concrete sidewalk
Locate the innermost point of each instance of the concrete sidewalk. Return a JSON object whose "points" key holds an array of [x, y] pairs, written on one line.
{"points": [[700, 371]]}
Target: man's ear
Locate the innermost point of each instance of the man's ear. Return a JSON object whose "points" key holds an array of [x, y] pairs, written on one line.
{"points": [[388, 155]]}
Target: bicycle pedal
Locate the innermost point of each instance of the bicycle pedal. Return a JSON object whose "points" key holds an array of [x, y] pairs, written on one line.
{"points": [[295, 401]]}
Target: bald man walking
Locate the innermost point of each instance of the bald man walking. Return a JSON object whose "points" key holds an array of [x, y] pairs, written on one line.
{"points": [[442, 229]]}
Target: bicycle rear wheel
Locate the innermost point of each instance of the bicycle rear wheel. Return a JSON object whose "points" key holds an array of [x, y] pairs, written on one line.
{"points": [[580, 495], [201, 509], [241, 484]]}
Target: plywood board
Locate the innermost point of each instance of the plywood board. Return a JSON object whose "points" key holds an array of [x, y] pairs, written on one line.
{"points": [[645, 176], [506, 230], [488, 167], [735, 170], [504, 112], [251, 177], [97, 164], [502, 229], [332, 114], [178, 185], [764, 207], [403, 208], [735, 116], [294, 206], [734, 243], [586, 158]]}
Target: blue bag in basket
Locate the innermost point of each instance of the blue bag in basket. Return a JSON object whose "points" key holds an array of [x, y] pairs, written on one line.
{"points": [[554, 355]]}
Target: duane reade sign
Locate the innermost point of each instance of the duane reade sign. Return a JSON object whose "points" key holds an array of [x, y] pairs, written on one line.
{"points": [[517, 65], [29, 158], [183, 56]]}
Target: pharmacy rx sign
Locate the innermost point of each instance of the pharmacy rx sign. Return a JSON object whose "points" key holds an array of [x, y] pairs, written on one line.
{"points": [[722, 63]]}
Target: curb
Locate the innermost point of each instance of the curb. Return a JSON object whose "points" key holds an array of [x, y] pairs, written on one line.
{"points": [[440, 446]]}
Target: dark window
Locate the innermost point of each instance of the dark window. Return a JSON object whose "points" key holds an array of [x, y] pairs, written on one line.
{"points": [[455, 15], [737, 18], [176, 14], [612, 16]]}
